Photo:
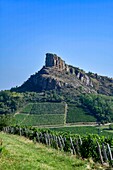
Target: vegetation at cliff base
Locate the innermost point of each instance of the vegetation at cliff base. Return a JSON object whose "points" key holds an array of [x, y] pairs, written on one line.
{"points": [[100, 106], [75, 108]]}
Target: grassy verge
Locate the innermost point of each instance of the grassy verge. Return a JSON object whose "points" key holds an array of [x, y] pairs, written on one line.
{"points": [[21, 153]]}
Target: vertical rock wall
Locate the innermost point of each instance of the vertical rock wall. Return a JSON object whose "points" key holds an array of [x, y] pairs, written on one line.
{"points": [[52, 60]]}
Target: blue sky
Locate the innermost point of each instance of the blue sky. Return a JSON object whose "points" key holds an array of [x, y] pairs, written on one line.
{"points": [[80, 31]]}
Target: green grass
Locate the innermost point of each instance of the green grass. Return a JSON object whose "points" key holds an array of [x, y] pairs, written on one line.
{"points": [[84, 130], [36, 120], [76, 114], [22, 154]]}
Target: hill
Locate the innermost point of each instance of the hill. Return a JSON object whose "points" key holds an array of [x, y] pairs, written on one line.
{"points": [[89, 97], [57, 75], [20, 153]]}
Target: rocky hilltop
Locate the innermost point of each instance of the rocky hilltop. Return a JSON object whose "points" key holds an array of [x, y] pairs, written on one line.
{"points": [[57, 75]]}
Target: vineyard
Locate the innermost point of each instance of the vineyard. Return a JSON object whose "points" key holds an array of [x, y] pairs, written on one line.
{"points": [[44, 108], [77, 114], [50, 113], [37, 120], [20, 153], [37, 114], [84, 130], [99, 148]]}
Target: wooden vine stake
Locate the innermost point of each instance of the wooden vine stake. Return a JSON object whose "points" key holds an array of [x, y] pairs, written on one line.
{"points": [[49, 141], [77, 147], [110, 153], [72, 146], [62, 140], [100, 153], [104, 152], [80, 140], [60, 143], [37, 137], [20, 131]]}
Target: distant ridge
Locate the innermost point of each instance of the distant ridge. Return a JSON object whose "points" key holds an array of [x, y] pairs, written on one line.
{"points": [[57, 75]]}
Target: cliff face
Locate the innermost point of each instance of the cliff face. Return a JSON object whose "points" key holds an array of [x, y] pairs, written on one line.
{"points": [[56, 74], [53, 61]]}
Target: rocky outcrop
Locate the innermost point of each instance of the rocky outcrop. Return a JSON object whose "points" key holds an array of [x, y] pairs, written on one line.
{"points": [[52, 60], [56, 74]]}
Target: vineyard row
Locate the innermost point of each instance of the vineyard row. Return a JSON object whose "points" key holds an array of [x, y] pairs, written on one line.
{"points": [[86, 146]]}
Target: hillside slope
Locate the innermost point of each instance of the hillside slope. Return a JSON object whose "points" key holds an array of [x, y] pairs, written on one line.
{"points": [[52, 114], [21, 153], [57, 75]]}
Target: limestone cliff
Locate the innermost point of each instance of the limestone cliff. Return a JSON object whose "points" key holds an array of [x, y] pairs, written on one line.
{"points": [[56, 74]]}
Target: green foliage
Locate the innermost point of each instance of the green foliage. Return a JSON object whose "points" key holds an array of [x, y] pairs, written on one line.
{"points": [[10, 102], [77, 114], [101, 106], [6, 120], [85, 146], [83, 108], [111, 127], [82, 130], [24, 154], [42, 114], [36, 120], [27, 108], [48, 108], [67, 147]]}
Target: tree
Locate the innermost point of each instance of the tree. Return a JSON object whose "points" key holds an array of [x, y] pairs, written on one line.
{"points": [[5, 120]]}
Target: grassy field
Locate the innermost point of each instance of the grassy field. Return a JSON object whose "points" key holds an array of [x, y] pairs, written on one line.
{"points": [[20, 153]]}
